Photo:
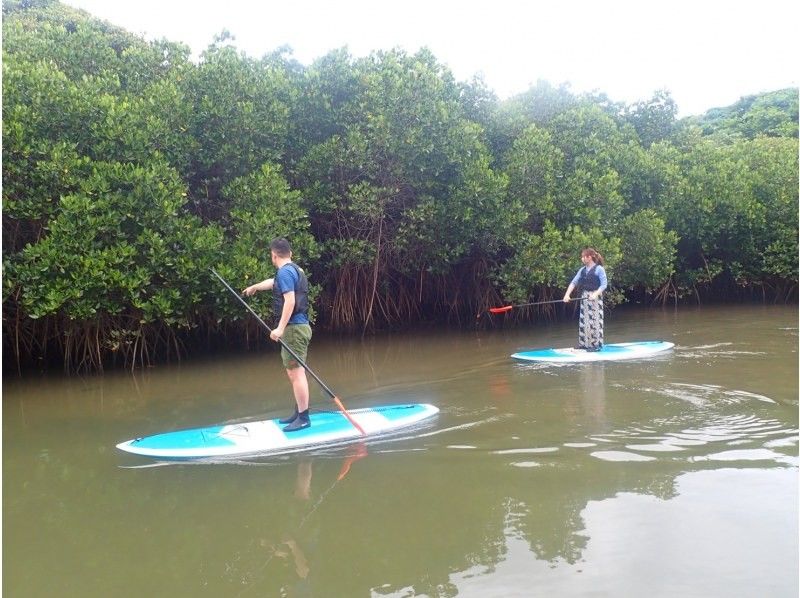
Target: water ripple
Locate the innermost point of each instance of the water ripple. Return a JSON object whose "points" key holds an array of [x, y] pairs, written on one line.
{"points": [[704, 394], [749, 455], [714, 350], [523, 451], [755, 439], [617, 456]]}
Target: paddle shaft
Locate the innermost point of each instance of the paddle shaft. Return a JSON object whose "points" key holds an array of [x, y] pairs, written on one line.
{"points": [[292, 353], [499, 310]]}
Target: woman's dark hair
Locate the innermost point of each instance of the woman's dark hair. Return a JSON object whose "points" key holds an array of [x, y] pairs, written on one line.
{"points": [[592, 253]]}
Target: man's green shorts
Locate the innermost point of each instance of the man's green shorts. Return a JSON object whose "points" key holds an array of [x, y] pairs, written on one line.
{"points": [[297, 337]]}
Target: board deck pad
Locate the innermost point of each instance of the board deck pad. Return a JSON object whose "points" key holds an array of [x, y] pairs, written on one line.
{"points": [[611, 352], [268, 437]]}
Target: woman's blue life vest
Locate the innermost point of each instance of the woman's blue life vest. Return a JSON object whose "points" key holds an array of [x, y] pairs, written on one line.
{"points": [[589, 279], [300, 295]]}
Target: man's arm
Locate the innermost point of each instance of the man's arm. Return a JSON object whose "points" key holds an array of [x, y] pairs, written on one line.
{"points": [[264, 285]]}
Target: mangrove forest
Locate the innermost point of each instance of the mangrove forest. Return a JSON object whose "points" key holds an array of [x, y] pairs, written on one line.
{"points": [[130, 169]]}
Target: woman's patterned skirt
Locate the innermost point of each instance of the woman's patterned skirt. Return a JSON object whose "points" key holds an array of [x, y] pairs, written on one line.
{"points": [[590, 326]]}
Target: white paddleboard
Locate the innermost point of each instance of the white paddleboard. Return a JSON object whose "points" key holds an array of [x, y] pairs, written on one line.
{"points": [[612, 352], [268, 437]]}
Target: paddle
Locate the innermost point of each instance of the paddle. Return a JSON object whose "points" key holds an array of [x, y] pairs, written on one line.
{"points": [[293, 354], [506, 308]]}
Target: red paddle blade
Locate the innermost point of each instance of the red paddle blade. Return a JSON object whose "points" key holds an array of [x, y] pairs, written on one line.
{"points": [[500, 310], [348, 416]]}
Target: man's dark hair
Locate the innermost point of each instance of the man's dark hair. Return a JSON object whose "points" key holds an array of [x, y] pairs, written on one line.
{"points": [[281, 247]]}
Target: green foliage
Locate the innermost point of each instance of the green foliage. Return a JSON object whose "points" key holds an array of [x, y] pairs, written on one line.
{"points": [[773, 182], [653, 120], [325, 105], [779, 255], [773, 114], [538, 106], [470, 216], [732, 202], [592, 144], [478, 102], [118, 246], [647, 251], [239, 119], [535, 167]]}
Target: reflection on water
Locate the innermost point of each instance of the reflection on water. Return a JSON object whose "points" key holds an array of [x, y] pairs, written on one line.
{"points": [[281, 561], [637, 544], [670, 476]]}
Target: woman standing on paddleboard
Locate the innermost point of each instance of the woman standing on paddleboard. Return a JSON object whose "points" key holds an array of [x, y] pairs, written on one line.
{"points": [[290, 303], [590, 281]]}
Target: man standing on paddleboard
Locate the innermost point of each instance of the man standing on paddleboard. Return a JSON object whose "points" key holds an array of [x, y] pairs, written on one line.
{"points": [[290, 303], [590, 281]]}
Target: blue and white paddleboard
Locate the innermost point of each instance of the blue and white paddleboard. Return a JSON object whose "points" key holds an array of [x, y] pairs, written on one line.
{"points": [[612, 352], [268, 437]]}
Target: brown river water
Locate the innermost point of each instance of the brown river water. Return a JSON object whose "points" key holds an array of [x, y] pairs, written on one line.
{"points": [[672, 476]]}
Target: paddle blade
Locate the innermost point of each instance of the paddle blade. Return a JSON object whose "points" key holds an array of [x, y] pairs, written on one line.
{"points": [[500, 310], [347, 415]]}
